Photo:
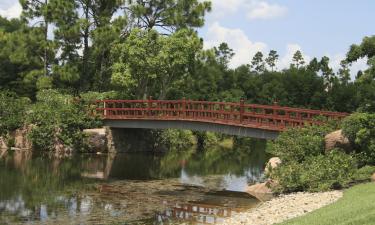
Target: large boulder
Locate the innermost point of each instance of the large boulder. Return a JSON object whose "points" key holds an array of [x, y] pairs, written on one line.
{"points": [[17, 139], [337, 140], [97, 139], [261, 191], [272, 164]]}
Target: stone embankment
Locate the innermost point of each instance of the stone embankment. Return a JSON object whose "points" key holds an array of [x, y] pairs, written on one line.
{"points": [[283, 208]]}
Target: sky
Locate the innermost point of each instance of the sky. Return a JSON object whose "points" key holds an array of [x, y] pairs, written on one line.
{"points": [[315, 27]]}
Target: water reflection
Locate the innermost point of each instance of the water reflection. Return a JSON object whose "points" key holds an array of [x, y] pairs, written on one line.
{"points": [[198, 188]]}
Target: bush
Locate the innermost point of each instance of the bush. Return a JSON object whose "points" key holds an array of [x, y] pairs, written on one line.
{"points": [[324, 172], [364, 173], [360, 130], [305, 165], [12, 112], [58, 118], [316, 173], [297, 144]]}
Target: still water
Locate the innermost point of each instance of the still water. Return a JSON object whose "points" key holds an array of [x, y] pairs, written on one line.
{"points": [[134, 188]]}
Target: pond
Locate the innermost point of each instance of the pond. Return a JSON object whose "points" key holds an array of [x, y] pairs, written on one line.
{"points": [[183, 186]]}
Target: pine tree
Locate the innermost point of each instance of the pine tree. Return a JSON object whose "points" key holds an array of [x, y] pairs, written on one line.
{"points": [[272, 58], [257, 63]]}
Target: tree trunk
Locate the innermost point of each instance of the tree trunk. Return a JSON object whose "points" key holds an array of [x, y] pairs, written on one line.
{"points": [[85, 58], [46, 44]]}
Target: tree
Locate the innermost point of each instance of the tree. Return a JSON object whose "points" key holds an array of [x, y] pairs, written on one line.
{"points": [[22, 52], [257, 62], [168, 15], [148, 63], [272, 58], [327, 72], [35, 9], [314, 65], [344, 72], [224, 54], [298, 60]]}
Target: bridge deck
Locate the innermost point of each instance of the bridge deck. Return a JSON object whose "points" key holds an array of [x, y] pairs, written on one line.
{"points": [[272, 118]]}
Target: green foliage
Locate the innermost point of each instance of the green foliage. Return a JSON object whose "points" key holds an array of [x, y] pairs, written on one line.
{"points": [[305, 165], [12, 112], [148, 63], [324, 172], [360, 129], [168, 15], [177, 139], [272, 58], [58, 119], [364, 173], [298, 60], [296, 145], [316, 173], [257, 63]]}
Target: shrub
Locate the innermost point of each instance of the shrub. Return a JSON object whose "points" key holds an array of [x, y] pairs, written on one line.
{"points": [[12, 112], [58, 118], [316, 173], [360, 130], [324, 172], [297, 144], [364, 173], [288, 177], [305, 165]]}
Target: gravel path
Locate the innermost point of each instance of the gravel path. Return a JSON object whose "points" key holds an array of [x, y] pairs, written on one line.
{"points": [[284, 207]]}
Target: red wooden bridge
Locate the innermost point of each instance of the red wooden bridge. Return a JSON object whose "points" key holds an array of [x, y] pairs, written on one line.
{"points": [[261, 121]]}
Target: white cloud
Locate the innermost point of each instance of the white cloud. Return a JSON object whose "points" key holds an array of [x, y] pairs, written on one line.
{"points": [[10, 11], [230, 6], [360, 64], [253, 9], [335, 61], [243, 47], [264, 10]]}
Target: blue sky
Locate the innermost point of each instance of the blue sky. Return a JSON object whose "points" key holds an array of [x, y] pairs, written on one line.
{"points": [[316, 27]]}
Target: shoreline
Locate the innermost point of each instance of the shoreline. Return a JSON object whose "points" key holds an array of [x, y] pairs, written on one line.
{"points": [[284, 207]]}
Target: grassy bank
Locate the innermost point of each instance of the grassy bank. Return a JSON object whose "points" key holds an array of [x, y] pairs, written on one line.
{"points": [[356, 207]]}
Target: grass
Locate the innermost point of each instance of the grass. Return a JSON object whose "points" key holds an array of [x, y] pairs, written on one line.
{"points": [[357, 207]]}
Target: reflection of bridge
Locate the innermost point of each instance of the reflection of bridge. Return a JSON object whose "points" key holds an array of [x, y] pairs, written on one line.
{"points": [[259, 121], [196, 213]]}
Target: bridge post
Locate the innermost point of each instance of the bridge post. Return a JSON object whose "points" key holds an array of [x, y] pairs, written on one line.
{"points": [[149, 106], [105, 111], [184, 107], [242, 109]]}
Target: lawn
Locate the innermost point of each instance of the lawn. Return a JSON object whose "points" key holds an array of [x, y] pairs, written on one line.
{"points": [[357, 207]]}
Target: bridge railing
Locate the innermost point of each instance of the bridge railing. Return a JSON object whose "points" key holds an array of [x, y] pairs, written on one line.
{"points": [[271, 117]]}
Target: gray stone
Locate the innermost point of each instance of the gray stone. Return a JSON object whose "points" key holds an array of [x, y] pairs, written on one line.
{"points": [[272, 164], [97, 139], [337, 140]]}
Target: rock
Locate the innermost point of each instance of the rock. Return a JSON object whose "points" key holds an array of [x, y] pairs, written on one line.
{"points": [[261, 191], [20, 138], [97, 139], [373, 177], [3, 144], [17, 139], [337, 140], [272, 164], [260, 188]]}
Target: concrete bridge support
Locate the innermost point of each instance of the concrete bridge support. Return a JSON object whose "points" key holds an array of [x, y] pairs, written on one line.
{"points": [[194, 125]]}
